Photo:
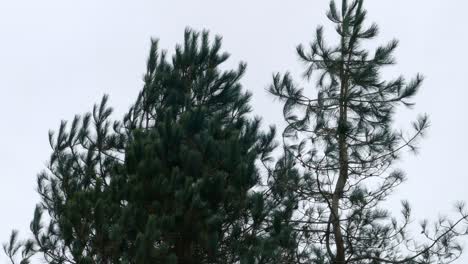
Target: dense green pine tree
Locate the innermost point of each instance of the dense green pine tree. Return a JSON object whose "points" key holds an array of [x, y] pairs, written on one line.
{"points": [[177, 181], [344, 144]]}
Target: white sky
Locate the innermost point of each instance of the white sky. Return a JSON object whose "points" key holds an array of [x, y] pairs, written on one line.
{"points": [[57, 58]]}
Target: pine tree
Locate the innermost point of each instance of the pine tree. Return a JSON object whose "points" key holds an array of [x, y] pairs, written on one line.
{"points": [[177, 181], [345, 145]]}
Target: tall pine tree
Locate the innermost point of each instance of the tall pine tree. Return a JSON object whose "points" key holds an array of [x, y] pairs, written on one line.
{"points": [[177, 181], [344, 143]]}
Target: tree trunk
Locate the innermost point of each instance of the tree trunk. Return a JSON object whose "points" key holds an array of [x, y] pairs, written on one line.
{"points": [[343, 168]]}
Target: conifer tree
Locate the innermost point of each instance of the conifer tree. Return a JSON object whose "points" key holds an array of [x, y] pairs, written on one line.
{"points": [[345, 145], [175, 182]]}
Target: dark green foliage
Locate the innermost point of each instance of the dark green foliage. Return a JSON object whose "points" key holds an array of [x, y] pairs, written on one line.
{"points": [[187, 177], [344, 143], [176, 182]]}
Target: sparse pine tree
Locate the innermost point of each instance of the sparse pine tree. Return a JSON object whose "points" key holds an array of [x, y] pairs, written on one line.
{"points": [[344, 143]]}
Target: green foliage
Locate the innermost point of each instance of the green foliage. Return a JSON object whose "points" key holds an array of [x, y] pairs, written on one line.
{"points": [[177, 181], [188, 176]]}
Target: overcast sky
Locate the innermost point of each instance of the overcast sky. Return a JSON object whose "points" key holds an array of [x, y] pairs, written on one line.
{"points": [[57, 58]]}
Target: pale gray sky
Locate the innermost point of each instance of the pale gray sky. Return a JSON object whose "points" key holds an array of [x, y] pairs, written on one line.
{"points": [[58, 57]]}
